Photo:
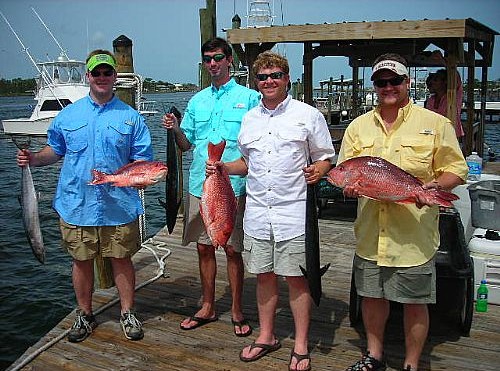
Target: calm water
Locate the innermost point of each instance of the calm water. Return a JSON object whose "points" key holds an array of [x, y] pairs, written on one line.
{"points": [[35, 297]]}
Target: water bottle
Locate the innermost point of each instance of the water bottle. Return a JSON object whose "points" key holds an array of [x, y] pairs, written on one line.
{"points": [[482, 297], [475, 164]]}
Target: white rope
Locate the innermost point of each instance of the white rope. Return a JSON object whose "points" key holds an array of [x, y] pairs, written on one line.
{"points": [[161, 272]]}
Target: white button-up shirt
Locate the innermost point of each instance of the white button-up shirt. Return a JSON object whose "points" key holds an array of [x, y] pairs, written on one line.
{"points": [[276, 146]]}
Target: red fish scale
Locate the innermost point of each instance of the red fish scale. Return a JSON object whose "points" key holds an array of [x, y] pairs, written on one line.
{"points": [[218, 202], [381, 180]]}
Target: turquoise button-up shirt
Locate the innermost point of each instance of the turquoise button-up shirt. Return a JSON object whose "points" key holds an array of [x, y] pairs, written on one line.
{"points": [[106, 137], [213, 115]]}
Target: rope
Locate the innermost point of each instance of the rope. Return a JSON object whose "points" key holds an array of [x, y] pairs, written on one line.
{"points": [[161, 272]]}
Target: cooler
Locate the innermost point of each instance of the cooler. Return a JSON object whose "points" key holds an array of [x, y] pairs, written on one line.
{"points": [[486, 257], [484, 245]]}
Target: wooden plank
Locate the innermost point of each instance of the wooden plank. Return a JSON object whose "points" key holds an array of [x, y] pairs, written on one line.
{"points": [[335, 345], [448, 28]]}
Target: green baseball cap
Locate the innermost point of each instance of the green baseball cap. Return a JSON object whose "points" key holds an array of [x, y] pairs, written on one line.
{"points": [[98, 59]]}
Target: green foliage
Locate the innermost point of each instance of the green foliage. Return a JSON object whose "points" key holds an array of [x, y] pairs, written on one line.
{"points": [[17, 87]]}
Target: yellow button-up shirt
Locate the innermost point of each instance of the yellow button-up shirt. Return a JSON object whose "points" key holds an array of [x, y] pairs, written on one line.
{"points": [[422, 143]]}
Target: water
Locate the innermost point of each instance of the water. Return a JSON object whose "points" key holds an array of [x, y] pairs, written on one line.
{"points": [[35, 297]]}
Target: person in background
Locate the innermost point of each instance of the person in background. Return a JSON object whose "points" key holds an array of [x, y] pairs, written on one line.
{"points": [[277, 139], [438, 101], [97, 132], [212, 115], [396, 243]]}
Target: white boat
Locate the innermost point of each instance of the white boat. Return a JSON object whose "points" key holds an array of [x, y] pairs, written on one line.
{"points": [[61, 82]]}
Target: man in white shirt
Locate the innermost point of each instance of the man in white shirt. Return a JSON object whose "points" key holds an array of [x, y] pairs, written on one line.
{"points": [[277, 139]]}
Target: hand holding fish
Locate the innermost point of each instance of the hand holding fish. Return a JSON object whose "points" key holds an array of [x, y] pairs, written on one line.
{"points": [[317, 170], [212, 166], [169, 121], [23, 157]]}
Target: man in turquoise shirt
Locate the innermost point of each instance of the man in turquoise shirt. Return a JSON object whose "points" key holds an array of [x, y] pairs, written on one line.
{"points": [[212, 115], [97, 132]]}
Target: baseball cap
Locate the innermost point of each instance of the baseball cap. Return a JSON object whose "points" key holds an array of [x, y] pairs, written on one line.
{"points": [[394, 66], [98, 59]]}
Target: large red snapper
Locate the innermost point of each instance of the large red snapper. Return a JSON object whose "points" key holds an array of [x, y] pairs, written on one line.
{"points": [[381, 180], [135, 174], [218, 202]]}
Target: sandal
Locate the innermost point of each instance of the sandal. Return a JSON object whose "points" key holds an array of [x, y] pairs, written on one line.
{"points": [[241, 324], [299, 358], [265, 349], [368, 363]]}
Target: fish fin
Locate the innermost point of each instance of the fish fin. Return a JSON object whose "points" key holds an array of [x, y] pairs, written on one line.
{"points": [[162, 203], [304, 272], [98, 177], [215, 150], [323, 270]]}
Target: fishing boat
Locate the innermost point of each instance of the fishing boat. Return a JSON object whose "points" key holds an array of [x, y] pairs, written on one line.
{"points": [[59, 83]]}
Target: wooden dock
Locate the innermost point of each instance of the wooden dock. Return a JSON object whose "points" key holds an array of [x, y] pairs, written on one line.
{"points": [[164, 302]]}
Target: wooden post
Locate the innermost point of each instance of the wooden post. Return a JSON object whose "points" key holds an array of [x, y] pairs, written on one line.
{"points": [[308, 72], [469, 128], [354, 112], [122, 48], [236, 23], [208, 24]]}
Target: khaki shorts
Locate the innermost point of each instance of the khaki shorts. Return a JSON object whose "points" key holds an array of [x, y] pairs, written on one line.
{"points": [[409, 285], [195, 231], [84, 243], [283, 258]]}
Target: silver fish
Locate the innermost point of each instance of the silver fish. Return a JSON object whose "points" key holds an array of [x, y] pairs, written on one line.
{"points": [[31, 221]]}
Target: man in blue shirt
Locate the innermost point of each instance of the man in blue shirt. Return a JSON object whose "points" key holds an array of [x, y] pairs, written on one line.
{"points": [[212, 115], [97, 132]]}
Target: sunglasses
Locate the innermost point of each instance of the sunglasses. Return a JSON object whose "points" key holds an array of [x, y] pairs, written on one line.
{"points": [[215, 57], [395, 81], [106, 73], [274, 75]]}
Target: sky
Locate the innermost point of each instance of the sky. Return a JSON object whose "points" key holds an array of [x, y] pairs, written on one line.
{"points": [[166, 36]]}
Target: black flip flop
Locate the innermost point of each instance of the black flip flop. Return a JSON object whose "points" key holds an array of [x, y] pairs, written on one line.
{"points": [[199, 322], [266, 349], [240, 324], [300, 358]]}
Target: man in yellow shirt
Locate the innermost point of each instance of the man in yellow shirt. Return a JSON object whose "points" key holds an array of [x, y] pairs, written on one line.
{"points": [[396, 243]]}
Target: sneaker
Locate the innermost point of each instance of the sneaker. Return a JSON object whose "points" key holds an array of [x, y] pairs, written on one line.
{"points": [[82, 328], [132, 327]]}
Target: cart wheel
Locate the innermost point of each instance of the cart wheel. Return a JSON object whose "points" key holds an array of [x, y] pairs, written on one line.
{"points": [[467, 306], [354, 304]]}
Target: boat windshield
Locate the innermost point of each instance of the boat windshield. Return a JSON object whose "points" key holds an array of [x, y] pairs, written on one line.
{"points": [[67, 72]]}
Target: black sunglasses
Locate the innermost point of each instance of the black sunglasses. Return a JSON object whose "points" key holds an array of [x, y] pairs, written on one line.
{"points": [[215, 57], [106, 73], [395, 81], [274, 75]]}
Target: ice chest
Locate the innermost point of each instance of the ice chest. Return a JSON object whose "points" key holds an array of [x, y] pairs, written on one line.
{"points": [[485, 204]]}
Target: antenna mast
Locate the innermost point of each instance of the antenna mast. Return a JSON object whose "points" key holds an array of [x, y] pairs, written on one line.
{"points": [[63, 52]]}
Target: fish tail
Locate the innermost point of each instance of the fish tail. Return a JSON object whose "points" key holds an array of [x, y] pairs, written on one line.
{"points": [[98, 177], [215, 150], [442, 198]]}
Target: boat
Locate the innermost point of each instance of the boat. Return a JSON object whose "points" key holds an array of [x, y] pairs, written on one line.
{"points": [[59, 83]]}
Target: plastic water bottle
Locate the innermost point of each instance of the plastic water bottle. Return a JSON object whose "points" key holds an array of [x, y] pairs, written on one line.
{"points": [[482, 297], [475, 164]]}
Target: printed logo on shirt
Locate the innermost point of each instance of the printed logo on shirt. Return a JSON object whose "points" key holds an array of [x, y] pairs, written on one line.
{"points": [[129, 123], [239, 105], [427, 132]]}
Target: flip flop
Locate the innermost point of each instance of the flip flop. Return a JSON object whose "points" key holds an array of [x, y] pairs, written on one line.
{"points": [[266, 349], [240, 324], [199, 321], [299, 358]]}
